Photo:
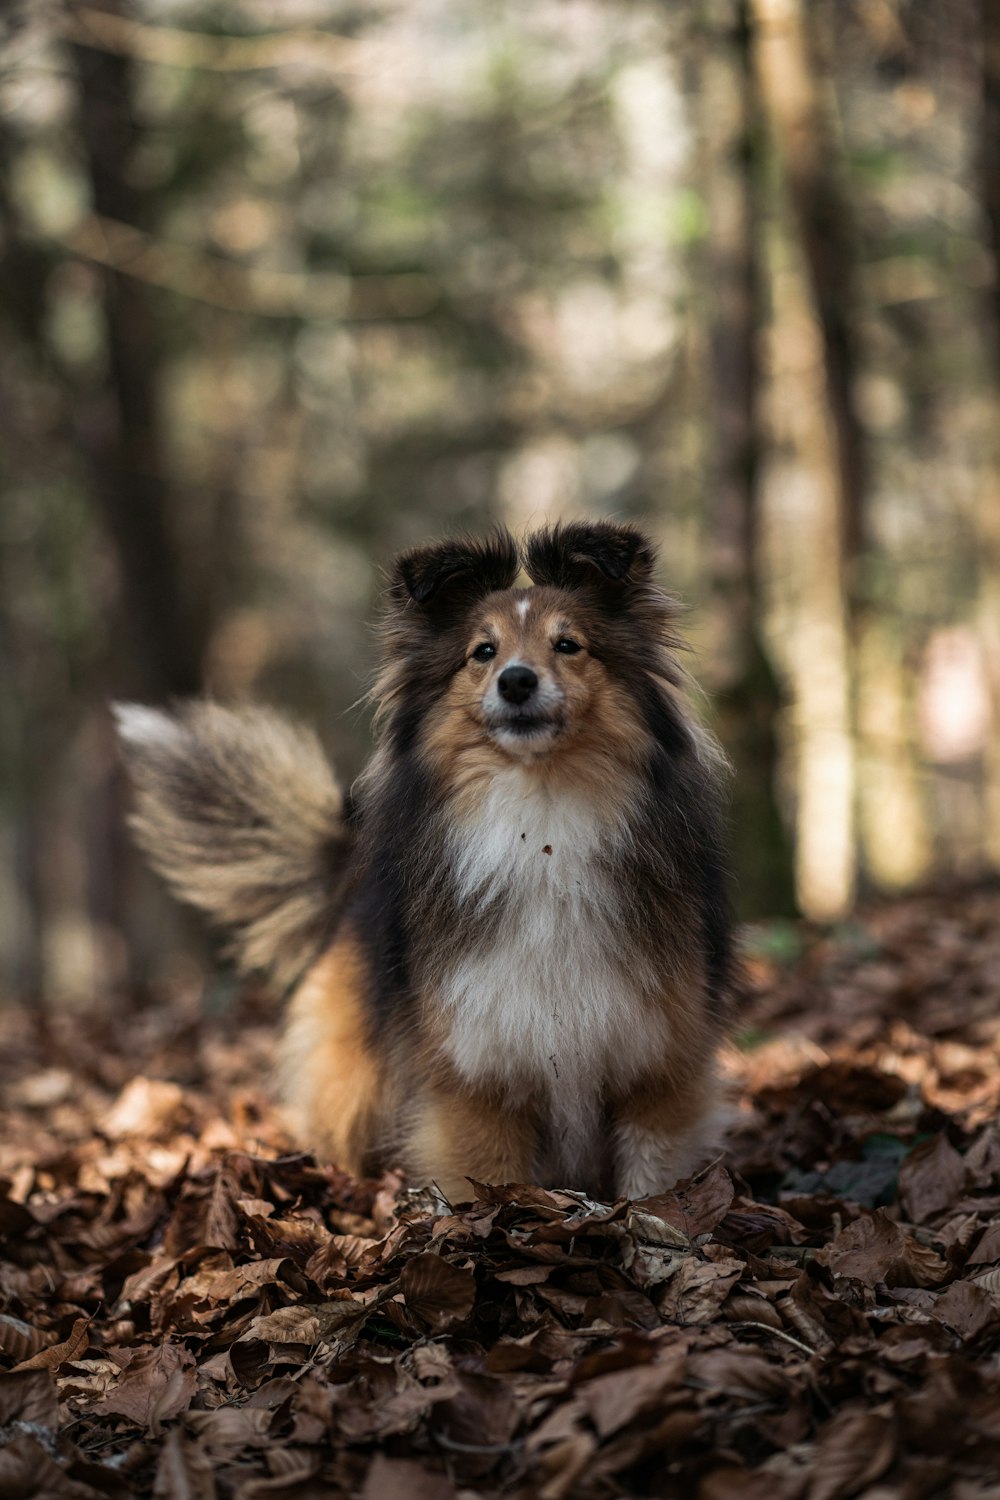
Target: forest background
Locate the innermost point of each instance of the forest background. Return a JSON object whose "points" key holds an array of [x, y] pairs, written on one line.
{"points": [[287, 286]]}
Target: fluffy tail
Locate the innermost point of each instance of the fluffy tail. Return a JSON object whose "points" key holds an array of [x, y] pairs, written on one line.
{"points": [[240, 812]]}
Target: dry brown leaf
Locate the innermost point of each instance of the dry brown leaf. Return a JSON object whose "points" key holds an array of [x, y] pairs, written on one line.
{"points": [[291, 1470], [931, 1179], [402, 1479], [696, 1207], [855, 1449], [206, 1215], [226, 1284], [615, 1399], [57, 1355], [155, 1385], [18, 1339], [987, 1248], [967, 1307], [441, 1294], [145, 1106], [27, 1472], [481, 1416], [989, 1282], [29, 1397], [728, 1482], [184, 1470], [698, 1290], [739, 1373], [230, 1430], [562, 1464], [308, 1324], [875, 1249]]}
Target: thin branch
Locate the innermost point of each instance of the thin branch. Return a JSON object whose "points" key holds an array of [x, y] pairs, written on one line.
{"points": [[457, 1447], [170, 47], [779, 1333], [247, 289]]}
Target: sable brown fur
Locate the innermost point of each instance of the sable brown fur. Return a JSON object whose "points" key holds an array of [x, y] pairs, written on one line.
{"points": [[520, 967]]}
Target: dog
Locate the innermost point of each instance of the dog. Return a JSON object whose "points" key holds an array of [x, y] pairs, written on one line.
{"points": [[509, 947]]}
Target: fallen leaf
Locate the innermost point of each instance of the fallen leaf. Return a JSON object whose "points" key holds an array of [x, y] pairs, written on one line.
{"points": [[966, 1307], [155, 1385], [402, 1479], [615, 1399], [184, 1471], [695, 1207], [698, 1290], [875, 1249], [18, 1339], [856, 1449], [144, 1107], [441, 1294], [57, 1355], [28, 1397], [931, 1179], [27, 1472]]}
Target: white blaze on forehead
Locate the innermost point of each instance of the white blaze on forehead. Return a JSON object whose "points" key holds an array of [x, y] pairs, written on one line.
{"points": [[522, 608]]}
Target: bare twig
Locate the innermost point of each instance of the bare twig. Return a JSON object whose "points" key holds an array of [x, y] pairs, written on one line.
{"points": [[167, 45], [234, 288], [779, 1333], [457, 1447], [797, 1254]]}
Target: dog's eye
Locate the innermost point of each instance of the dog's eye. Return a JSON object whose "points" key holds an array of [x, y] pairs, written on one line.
{"points": [[484, 652], [566, 646]]}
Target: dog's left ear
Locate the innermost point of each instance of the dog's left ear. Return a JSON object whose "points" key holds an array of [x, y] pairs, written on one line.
{"points": [[454, 574], [588, 553]]}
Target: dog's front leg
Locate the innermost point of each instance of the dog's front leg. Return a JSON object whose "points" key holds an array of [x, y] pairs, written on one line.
{"points": [[660, 1139], [459, 1135]]}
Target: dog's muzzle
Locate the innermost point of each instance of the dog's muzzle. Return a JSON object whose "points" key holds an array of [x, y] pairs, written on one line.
{"points": [[521, 706]]}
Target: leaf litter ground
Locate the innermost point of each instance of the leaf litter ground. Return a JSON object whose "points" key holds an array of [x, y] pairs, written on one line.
{"points": [[190, 1307]]}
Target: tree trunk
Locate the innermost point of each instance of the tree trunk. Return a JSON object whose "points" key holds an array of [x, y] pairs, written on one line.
{"points": [[815, 480], [989, 152], [807, 151], [747, 692], [122, 438], [164, 602], [987, 514]]}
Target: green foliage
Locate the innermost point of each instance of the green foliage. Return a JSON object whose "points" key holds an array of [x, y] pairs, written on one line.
{"points": [[689, 217]]}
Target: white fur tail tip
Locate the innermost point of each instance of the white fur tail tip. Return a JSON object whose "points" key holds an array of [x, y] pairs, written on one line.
{"points": [[139, 725]]}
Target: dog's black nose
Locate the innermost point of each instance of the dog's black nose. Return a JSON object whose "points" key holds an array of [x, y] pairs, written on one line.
{"points": [[517, 684]]}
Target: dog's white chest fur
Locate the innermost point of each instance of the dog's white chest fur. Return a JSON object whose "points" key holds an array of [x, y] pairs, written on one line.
{"points": [[549, 1004]]}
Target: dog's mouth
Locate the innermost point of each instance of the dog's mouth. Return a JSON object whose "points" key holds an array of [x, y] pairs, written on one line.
{"points": [[523, 724]]}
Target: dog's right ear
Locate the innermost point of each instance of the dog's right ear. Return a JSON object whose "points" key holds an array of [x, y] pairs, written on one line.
{"points": [[455, 574]]}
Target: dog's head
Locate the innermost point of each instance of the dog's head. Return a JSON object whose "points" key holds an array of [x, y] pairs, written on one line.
{"points": [[527, 671]]}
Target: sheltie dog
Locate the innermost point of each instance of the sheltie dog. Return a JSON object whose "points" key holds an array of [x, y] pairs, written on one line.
{"points": [[509, 945]]}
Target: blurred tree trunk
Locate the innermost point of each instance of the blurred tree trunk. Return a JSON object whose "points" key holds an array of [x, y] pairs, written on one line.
{"points": [[123, 440], [32, 738], [989, 150], [818, 472], [164, 600], [987, 518], [799, 127], [747, 692]]}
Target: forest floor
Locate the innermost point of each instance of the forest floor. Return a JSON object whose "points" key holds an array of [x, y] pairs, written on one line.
{"points": [[191, 1308]]}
